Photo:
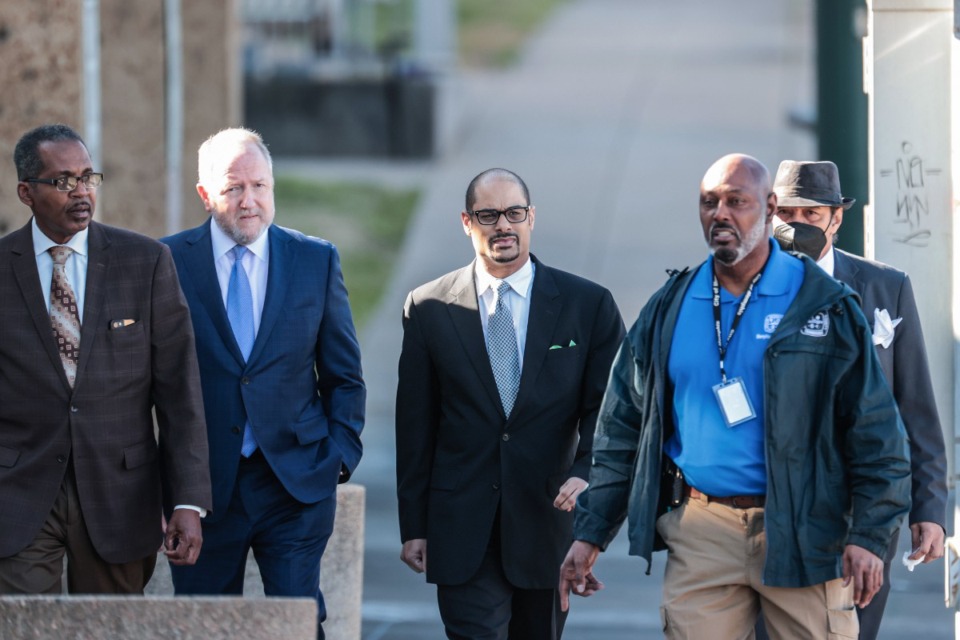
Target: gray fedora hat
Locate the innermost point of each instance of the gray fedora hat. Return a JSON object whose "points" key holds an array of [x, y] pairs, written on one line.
{"points": [[809, 184]]}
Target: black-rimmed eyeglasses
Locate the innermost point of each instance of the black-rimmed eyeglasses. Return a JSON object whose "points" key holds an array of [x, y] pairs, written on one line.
{"points": [[490, 216], [69, 183]]}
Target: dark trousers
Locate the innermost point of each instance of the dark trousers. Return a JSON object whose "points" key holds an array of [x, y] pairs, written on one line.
{"points": [[488, 607], [288, 538], [871, 615], [38, 568]]}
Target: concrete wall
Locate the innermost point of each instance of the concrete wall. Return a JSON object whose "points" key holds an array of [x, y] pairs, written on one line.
{"points": [[40, 44], [41, 80], [123, 618]]}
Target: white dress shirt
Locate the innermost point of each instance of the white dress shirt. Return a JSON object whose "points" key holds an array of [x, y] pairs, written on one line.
{"points": [[826, 262], [517, 299]]}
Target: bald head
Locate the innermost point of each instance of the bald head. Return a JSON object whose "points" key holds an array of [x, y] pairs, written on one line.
{"points": [[494, 175], [736, 208], [736, 162]]}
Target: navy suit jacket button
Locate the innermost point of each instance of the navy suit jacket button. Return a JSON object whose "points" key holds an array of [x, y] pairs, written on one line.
{"points": [[244, 380]]}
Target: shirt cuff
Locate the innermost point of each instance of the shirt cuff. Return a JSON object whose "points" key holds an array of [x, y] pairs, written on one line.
{"points": [[200, 510]]}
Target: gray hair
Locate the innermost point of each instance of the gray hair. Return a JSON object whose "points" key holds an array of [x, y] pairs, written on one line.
{"points": [[212, 151], [26, 155]]}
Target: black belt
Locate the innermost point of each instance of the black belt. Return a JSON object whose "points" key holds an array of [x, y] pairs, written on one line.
{"points": [[737, 502]]}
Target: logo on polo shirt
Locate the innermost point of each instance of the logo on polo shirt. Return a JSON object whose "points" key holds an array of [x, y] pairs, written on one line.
{"points": [[817, 326], [771, 322]]}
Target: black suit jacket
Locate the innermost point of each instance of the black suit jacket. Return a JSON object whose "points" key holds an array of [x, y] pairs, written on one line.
{"points": [[105, 423], [904, 364], [459, 458]]}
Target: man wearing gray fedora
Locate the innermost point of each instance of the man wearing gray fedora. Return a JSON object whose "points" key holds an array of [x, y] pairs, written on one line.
{"points": [[808, 193]]}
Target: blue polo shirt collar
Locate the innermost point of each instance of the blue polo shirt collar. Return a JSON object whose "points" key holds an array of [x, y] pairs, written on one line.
{"points": [[774, 282]]}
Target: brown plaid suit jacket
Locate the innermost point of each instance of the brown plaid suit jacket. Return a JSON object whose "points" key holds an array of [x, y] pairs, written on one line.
{"points": [[105, 424]]}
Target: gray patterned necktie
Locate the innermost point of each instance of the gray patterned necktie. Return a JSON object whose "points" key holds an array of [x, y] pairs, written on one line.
{"points": [[502, 350], [64, 316]]}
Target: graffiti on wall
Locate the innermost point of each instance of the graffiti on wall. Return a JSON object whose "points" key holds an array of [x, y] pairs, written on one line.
{"points": [[912, 218]]}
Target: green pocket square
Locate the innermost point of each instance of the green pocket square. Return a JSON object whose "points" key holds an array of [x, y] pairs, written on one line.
{"points": [[560, 346]]}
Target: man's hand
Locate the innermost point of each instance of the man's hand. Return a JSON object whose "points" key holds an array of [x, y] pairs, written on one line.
{"points": [[566, 500], [927, 538], [414, 554], [576, 572], [183, 538], [866, 572]]}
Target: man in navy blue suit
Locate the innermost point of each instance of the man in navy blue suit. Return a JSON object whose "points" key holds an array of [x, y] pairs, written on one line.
{"points": [[280, 370]]}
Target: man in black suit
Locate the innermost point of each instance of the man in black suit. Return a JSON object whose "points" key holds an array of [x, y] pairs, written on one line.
{"points": [[809, 193], [503, 367]]}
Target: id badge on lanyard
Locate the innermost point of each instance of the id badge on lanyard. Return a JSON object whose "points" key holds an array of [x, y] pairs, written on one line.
{"points": [[731, 395], [734, 401]]}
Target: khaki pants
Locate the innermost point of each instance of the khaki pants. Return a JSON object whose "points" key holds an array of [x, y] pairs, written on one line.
{"points": [[713, 586]]}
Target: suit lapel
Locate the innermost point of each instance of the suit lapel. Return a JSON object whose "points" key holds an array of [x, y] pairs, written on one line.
{"points": [[465, 314], [283, 259], [198, 260], [846, 270], [24, 266], [545, 303], [98, 262]]}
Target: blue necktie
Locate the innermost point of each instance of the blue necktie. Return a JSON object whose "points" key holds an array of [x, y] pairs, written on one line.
{"points": [[240, 313], [502, 350]]}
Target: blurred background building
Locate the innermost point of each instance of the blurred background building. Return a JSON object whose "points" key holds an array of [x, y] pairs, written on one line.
{"points": [[348, 77]]}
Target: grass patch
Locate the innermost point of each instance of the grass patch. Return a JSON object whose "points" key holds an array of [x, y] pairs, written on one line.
{"points": [[366, 222], [492, 31]]}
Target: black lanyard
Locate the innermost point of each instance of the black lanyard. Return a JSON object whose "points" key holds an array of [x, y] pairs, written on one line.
{"points": [[736, 319]]}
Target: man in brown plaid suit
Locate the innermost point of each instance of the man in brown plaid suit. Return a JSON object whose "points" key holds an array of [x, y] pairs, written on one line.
{"points": [[95, 336]]}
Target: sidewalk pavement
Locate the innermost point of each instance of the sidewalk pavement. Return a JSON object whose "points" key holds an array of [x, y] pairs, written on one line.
{"points": [[614, 112]]}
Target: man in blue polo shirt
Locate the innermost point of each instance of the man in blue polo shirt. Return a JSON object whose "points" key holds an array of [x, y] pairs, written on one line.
{"points": [[747, 429], [740, 470]]}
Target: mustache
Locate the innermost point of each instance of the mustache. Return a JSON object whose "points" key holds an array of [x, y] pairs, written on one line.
{"points": [[82, 204], [717, 226], [501, 236]]}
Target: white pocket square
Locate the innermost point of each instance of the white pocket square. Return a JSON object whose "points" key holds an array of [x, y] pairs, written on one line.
{"points": [[883, 328]]}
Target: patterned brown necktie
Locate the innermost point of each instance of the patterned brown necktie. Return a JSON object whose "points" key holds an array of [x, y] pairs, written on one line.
{"points": [[63, 313]]}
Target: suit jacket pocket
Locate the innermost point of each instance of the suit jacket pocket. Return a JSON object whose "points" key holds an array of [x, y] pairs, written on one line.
{"points": [[312, 429], [8, 457], [139, 454], [129, 336], [444, 478]]}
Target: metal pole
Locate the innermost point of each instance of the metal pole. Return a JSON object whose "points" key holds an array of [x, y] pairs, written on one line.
{"points": [[92, 132], [842, 106], [173, 47]]}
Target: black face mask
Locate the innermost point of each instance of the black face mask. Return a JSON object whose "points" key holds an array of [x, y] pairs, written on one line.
{"points": [[802, 238]]}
